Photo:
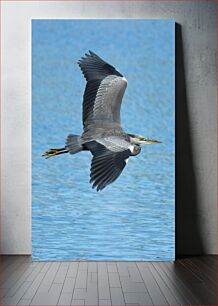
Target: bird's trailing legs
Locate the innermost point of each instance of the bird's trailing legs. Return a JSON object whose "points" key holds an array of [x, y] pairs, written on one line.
{"points": [[53, 152]]}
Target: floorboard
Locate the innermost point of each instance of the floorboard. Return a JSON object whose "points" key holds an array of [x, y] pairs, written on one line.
{"points": [[187, 281]]}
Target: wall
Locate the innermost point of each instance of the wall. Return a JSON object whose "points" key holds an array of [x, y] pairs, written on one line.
{"points": [[196, 112]]}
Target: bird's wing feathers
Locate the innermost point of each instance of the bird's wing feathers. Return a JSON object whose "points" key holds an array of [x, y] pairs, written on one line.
{"points": [[106, 165], [93, 67], [101, 112], [103, 93]]}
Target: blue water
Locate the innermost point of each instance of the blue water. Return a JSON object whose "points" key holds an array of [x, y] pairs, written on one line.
{"points": [[133, 218]]}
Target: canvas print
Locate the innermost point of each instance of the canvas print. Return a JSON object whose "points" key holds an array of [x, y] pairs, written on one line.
{"points": [[103, 139]]}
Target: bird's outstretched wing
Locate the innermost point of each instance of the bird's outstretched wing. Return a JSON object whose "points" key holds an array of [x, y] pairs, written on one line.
{"points": [[103, 93], [106, 165]]}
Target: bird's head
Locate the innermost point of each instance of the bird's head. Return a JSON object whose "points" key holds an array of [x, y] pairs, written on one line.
{"points": [[140, 139]]}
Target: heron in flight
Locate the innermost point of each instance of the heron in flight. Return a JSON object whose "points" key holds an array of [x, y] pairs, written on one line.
{"points": [[102, 133]]}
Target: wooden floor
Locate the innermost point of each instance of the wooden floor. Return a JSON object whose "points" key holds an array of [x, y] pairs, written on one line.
{"points": [[188, 281]]}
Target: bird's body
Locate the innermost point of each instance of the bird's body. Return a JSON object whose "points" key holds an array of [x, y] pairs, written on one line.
{"points": [[102, 133]]}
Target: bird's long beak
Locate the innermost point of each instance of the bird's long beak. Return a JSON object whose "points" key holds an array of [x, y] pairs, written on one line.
{"points": [[149, 141]]}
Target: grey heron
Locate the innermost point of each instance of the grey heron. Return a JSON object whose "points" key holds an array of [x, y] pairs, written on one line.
{"points": [[102, 133]]}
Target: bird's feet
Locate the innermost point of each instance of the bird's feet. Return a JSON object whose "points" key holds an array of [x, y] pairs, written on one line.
{"points": [[53, 152]]}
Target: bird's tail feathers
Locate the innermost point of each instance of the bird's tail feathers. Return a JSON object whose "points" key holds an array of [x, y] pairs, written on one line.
{"points": [[73, 144]]}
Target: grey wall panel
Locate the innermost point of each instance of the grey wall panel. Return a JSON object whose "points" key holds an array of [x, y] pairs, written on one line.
{"points": [[196, 112]]}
